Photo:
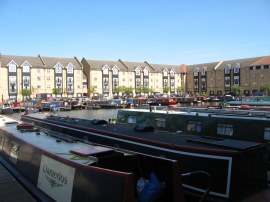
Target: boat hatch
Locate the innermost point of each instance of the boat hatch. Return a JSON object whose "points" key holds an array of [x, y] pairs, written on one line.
{"points": [[160, 122], [96, 151], [227, 143]]}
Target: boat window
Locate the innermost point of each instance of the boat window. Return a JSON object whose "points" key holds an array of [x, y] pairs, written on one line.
{"points": [[267, 133], [14, 152], [1, 142], [224, 129], [195, 126], [160, 123], [131, 119]]}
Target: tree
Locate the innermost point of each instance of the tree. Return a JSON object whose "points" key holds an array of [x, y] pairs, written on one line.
{"points": [[265, 88], [166, 89], [145, 90], [56, 91], [91, 90], [236, 90], [180, 90], [34, 91], [26, 92]]}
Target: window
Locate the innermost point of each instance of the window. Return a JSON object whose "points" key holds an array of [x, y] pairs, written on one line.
{"points": [[160, 123], [137, 71], [38, 86], [131, 119], [95, 79], [48, 86], [12, 67], [115, 71], [1, 142], [227, 69], [48, 70], [224, 129], [38, 70], [262, 75], [48, 78], [267, 133], [145, 72], [70, 69], [38, 78], [58, 68], [194, 126], [14, 152], [26, 68]]}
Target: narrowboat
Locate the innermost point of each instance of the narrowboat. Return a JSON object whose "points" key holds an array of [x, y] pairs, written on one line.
{"points": [[232, 168], [63, 168]]}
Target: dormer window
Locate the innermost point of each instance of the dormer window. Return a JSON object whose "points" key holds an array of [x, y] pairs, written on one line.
{"points": [[26, 67], [58, 68], [196, 71], [172, 73], [145, 72], [70, 68], [236, 68], [203, 71], [105, 70], [227, 69], [115, 70], [137, 71], [165, 72], [12, 66]]}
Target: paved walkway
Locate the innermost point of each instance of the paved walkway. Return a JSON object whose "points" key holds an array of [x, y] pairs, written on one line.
{"points": [[11, 190]]}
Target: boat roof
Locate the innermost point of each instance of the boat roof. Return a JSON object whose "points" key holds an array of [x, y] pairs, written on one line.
{"points": [[50, 142], [126, 132]]}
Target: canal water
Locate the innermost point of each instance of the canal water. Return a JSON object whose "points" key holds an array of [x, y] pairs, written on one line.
{"points": [[105, 114]]}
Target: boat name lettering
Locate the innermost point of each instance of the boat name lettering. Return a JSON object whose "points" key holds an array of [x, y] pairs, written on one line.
{"points": [[56, 179]]}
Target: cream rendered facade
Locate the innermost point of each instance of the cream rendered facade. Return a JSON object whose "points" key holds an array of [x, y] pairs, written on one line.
{"points": [[40, 75], [106, 76]]}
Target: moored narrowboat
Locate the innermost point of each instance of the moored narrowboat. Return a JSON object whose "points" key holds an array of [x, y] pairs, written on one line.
{"points": [[223, 159], [65, 168]]}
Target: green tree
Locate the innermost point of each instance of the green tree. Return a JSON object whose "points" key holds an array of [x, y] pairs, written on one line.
{"points": [[56, 91], [180, 90], [265, 88], [26, 93], [236, 90], [166, 89], [145, 90]]}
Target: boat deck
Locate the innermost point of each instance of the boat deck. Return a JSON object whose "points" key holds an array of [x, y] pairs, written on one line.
{"points": [[11, 190]]}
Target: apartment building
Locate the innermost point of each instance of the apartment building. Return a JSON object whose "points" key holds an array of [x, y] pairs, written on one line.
{"points": [[41, 75], [96, 77], [217, 78], [105, 77]]}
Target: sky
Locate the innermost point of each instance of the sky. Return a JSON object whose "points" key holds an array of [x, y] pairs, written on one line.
{"points": [[171, 32]]}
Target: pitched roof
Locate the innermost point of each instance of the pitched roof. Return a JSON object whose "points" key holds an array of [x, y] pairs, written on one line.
{"points": [[161, 67], [210, 66], [99, 64], [243, 62], [133, 65], [263, 61], [50, 62], [33, 61]]}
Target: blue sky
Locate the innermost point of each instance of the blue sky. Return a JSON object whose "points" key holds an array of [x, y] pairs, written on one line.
{"points": [[162, 32]]}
